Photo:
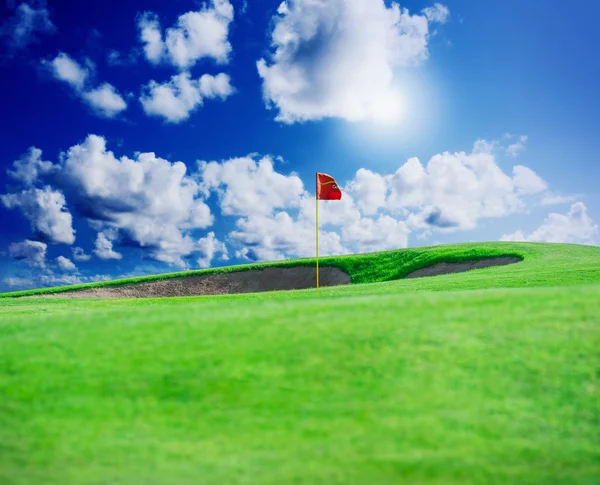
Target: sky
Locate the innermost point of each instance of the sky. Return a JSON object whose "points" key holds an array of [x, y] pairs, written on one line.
{"points": [[143, 137]]}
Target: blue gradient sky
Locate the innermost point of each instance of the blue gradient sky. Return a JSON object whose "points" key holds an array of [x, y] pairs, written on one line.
{"points": [[524, 68]]}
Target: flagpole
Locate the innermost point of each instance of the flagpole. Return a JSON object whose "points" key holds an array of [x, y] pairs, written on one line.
{"points": [[317, 225]]}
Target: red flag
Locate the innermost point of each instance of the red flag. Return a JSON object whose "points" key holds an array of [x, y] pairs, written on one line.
{"points": [[327, 188]]}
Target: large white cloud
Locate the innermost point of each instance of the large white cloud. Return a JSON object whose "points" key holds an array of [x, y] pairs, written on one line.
{"points": [[197, 34], [104, 99], [249, 187], [575, 227], [337, 58], [28, 20], [174, 100], [454, 190], [148, 199], [46, 210]]}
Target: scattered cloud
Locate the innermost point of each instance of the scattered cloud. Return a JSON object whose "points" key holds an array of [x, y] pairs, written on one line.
{"points": [[551, 198], [32, 253], [28, 21], [66, 69], [338, 58], [452, 191], [157, 205], [16, 281], [514, 149], [574, 227], [65, 264], [208, 247], [438, 13], [175, 100], [46, 211], [104, 248], [196, 35], [80, 255], [30, 167], [104, 99]]}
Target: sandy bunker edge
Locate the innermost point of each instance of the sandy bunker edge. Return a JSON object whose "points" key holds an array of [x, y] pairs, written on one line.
{"points": [[257, 280]]}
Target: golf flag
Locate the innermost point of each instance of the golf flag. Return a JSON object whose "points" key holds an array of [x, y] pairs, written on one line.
{"points": [[326, 189]]}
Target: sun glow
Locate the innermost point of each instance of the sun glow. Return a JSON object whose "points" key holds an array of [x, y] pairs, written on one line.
{"points": [[387, 108]]}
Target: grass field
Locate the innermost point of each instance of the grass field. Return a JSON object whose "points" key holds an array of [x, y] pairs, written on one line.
{"points": [[486, 377]]}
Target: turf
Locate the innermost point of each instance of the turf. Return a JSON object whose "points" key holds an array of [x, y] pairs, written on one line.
{"points": [[401, 381]]}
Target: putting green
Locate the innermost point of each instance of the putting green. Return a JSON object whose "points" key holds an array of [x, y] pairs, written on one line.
{"points": [[489, 376]]}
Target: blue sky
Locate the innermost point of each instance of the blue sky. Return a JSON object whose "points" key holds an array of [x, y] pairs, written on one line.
{"points": [[183, 134]]}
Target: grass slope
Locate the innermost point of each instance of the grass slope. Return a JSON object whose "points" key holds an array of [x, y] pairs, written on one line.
{"points": [[547, 264], [384, 383]]}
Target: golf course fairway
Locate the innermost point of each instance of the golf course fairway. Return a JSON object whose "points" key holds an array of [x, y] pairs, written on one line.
{"points": [[491, 376]]}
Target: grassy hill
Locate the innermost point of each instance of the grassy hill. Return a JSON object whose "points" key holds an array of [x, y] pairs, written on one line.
{"points": [[394, 381]]}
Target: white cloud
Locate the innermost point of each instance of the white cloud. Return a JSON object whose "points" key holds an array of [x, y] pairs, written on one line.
{"points": [[174, 100], [247, 187], [367, 234], [527, 181], [80, 255], [197, 34], [104, 99], [66, 69], [369, 189], [551, 198], [26, 22], [338, 58], [454, 190], [148, 199], [65, 264], [30, 167], [16, 281], [104, 248], [574, 227], [31, 252], [46, 211], [281, 236], [151, 36], [158, 206], [438, 13], [208, 247], [514, 149]]}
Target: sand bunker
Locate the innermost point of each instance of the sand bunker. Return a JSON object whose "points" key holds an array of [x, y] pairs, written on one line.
{"points": [[268, 279], [447, 268], [257, 280]]}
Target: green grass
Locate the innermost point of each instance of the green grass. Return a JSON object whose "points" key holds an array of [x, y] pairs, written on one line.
{"points": [[396, 382], [547, 264]]}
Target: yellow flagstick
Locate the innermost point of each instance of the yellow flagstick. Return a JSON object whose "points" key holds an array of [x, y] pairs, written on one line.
{"points": [[317, 228]]}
